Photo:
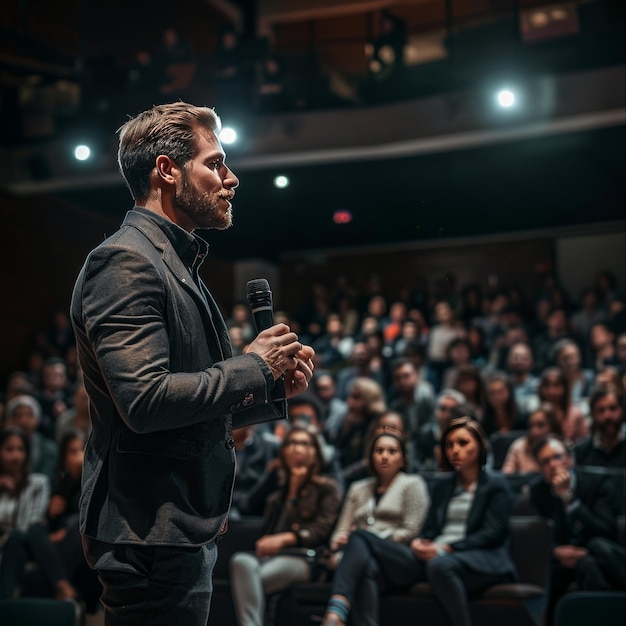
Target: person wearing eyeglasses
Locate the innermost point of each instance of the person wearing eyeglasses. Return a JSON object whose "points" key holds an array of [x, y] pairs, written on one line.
{"points": [[299, 516], [583, 508]]}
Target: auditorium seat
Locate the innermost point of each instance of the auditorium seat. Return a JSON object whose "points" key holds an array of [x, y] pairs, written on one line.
{"points": [[581, 608], [515, 604], [38, 612]]}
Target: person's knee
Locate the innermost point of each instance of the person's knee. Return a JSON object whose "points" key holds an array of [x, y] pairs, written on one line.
{"points": [[440, 567], [599, 547], [242, 562]]}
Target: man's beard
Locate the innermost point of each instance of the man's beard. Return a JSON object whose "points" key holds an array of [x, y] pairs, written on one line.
{"points": [[609, 428], [202, 208]]}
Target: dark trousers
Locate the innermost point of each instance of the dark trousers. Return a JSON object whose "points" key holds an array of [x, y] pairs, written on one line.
{"points": [[604, 567], [56, 561], [371, 566], [156, 585]]}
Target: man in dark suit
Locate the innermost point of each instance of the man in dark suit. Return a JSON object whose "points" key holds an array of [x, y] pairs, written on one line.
{"points": [[164, 388], [583, 508]]}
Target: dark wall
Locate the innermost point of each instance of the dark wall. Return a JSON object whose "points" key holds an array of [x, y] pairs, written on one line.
{"points": [[43, 243]]}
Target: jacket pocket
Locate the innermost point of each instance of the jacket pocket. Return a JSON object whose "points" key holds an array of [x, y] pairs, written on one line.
{"points": [[158, 444]]}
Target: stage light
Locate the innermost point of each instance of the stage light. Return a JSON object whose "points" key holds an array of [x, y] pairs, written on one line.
{"points": [[281, 182], [506, 98], [82, 152], [228, 135]]}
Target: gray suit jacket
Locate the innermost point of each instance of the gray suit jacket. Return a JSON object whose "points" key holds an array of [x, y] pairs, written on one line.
{"points": [[164, 389]]}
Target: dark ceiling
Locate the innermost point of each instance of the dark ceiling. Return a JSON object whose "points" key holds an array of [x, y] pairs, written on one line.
{"points": [[548, 182], [541, 183]]}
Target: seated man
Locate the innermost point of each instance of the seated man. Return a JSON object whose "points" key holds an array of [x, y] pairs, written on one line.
{"points": [[606, 445], [583, 508]]}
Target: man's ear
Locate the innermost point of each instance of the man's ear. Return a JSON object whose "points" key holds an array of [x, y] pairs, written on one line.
{"points": [[166, 169]]}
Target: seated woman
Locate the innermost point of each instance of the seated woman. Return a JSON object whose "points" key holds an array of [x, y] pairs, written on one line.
{"points": [[54, 544], [301, 514], [461, 550], [24, 495], [389, 504], [519, 457]]}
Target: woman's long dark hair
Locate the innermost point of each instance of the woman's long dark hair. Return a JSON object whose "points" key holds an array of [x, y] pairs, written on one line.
{"points": [[489, 415], [5, 435]]}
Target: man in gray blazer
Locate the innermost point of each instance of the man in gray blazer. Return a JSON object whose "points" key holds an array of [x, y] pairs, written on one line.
{"points": [[165, 390]]}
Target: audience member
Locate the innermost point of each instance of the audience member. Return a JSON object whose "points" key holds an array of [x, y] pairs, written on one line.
{"points": [[389, 504], [54, 395], [602, 344], [413, 398], [470, 383], [299, 516], [24, 495], [544, 341], [53, 544], [606, 445], [255, 449], [323, 386], [519, 368], [500, 413], [554, 388], [428, 449], [333, 347], [441, 334], [461, 549], [588, 314], [389, 420], [541, 423], [458, 354], [583, 510], [24, 412], [77, 417], [567, 356], [365, 403], [359, 367]]}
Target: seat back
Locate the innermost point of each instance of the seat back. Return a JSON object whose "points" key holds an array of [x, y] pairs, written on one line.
{"points": [[581, 608], [531, 548], [37, 612], [499, 444]]}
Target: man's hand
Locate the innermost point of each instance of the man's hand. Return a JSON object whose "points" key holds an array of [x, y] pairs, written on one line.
{"points": [[568, 555], [270, 545], [282, 351], [561, 484], [297, 379]]}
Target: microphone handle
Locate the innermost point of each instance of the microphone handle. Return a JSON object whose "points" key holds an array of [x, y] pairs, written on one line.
{"points": [[264, 318]]}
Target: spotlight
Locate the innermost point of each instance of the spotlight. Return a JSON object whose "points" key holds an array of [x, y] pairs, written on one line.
{"points": [[82, 152], [228, 135], [281, 182], [342, 216], [506, 98]]}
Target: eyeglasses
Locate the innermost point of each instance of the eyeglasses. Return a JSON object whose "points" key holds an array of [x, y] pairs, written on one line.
{"points": [[443, 408], [292, 443], [356, 396], [555, 457]]}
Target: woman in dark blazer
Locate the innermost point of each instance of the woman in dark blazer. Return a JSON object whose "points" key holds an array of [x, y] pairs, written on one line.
{"points": [[461, 550], [299, 516]]}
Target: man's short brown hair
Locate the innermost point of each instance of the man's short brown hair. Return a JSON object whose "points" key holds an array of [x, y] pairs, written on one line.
{"points": [[168, 129]]}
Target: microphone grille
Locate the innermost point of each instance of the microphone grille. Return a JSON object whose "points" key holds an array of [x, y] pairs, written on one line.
{"points": [[257, 285]]}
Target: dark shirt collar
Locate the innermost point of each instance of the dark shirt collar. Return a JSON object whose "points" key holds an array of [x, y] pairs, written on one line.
{"points": [[190, 248]]}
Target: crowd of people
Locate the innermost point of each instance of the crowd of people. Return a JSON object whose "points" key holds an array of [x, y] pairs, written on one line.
{"points": [[471, 386]]}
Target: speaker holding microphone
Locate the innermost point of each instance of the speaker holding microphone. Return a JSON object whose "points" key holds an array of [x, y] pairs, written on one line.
{"points": [[262, 307]]}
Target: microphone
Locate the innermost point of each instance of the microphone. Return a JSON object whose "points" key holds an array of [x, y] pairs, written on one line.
{"points": [[261, 304]]}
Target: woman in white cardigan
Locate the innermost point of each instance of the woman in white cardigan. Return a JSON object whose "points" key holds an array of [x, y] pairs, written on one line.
{"points": [[390, 504]]}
